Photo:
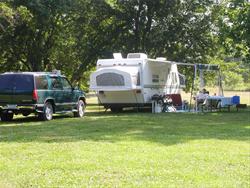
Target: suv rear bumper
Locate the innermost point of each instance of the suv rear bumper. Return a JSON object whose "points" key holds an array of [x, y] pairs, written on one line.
{"points": [[31, 108]]}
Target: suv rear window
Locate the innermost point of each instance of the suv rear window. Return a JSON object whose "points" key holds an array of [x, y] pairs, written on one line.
{"points": [[16, 81], [6, 81], [41, 82]]}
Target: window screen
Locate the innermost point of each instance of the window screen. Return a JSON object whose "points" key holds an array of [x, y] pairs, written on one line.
{"points": [[155, 78], [182, 79], [110, 79]]}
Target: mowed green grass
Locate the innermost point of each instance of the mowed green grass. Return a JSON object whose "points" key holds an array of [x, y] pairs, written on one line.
{"points": [[127, 150]]}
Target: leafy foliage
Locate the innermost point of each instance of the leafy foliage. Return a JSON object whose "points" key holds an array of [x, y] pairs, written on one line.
{"points": [[235, 75], [70, 35], [234, 28]]}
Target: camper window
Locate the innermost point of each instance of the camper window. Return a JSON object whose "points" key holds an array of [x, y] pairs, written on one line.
{"points": [[182, 80], [155, 78], [110, 79]]}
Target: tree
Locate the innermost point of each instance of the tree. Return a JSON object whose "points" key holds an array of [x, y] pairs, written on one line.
{"points": [[178, 30], [70, 35], [234, 29], [30, 42], [11, 18]]}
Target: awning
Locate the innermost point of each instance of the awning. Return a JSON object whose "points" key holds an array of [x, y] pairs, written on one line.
{"points": [[208, 67]]}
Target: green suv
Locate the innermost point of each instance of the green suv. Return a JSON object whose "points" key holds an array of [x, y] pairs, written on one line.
{"points": [[41, 93]]}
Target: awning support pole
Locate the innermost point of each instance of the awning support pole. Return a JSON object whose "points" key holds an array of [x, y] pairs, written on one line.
{"points": [[220, 83], [194, 78]]}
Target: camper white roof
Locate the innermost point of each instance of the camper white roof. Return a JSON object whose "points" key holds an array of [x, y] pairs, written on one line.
{"points": [[117, 55], [161, 58], [137, 56]]}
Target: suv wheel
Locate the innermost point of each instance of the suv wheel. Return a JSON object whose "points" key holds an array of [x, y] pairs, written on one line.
{"points": [[47, 112], [6, 116], [80, 109]]}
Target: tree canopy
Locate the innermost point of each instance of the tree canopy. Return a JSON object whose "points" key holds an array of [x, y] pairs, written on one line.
{"points": [[41, 35]]}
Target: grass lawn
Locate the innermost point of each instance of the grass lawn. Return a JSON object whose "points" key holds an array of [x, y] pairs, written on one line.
{"points": [[127, 150]]}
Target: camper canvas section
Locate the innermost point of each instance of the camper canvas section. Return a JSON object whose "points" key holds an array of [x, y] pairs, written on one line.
{"points": [[116, 75], [117, 82]]}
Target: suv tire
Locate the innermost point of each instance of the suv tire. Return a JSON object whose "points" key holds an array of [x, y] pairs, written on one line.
{"points": [[47, 114], [6, 116], [80, 109]]}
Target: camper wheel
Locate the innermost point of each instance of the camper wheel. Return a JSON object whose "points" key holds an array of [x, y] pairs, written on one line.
{"points": [[116, 109]]}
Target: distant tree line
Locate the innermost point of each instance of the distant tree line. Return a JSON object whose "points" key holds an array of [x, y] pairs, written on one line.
{"points": [[70, 35]]}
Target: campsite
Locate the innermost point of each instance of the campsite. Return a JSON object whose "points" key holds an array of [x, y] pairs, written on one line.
{"points": [[125, 93], [135, 147], [129, 149]]}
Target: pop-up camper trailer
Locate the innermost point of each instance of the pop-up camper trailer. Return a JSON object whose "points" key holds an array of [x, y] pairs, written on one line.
{"points": [[132, 81]]}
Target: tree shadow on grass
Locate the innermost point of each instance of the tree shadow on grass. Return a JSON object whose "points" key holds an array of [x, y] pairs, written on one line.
{"points": [[167, 128]]}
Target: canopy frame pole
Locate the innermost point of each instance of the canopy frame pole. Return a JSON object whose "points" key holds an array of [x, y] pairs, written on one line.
{"points": [[220, 83], [192, 88]]}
